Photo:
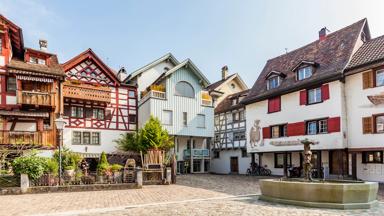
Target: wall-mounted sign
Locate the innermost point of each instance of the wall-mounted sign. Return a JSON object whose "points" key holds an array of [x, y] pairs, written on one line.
{"points": [[288, 143]]}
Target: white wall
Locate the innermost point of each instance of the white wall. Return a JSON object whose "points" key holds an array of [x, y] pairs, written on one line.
{"points": [[292, 112], [222, 165]]}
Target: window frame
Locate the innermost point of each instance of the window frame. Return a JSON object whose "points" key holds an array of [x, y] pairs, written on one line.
{"points": [[130, 117], [91, 137], [73, 138], [317, 123], [185, 119], [375, 117], [381, 71], [289, 159], [77, 108], [315, 94], [271, 79], [244, 153], [365, 157], [305, 71], [181, 93], [239, 136], [100, 113], [281, 130], [8, 90], [204, 121], [170, 112]]}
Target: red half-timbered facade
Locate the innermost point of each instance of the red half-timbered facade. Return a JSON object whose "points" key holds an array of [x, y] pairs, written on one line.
{"points": [[97, 106]]}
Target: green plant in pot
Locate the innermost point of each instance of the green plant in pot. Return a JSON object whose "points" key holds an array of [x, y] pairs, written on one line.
{"points": [[70, 161], [103, 167], [116, 170]]}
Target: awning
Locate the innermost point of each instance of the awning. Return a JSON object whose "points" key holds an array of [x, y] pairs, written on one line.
{"points": [[89, 155], [24, 113], [33, 78], [377, 99]]}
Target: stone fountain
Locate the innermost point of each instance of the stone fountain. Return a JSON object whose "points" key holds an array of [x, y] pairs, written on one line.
{"points": [[337, 194]]}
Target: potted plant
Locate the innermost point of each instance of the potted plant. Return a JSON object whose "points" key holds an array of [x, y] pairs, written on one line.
{"points": [[116, 170], [103, 167], [52, 169]]}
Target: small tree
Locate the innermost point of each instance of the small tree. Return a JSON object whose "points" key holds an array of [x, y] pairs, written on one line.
{"points": [[103, 165], [151, 136]]}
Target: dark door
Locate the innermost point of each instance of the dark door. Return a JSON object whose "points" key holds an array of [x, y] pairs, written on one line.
{"points": [[234, 165], [338, 162]]}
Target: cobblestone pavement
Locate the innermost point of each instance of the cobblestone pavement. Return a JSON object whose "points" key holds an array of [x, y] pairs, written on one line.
{"points": [[192, 195]]}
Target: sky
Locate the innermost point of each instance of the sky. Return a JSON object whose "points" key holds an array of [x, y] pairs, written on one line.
{"points": [[212, 33]]}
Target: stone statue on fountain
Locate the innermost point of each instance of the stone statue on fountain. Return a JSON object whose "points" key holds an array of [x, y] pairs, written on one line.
{"points": [[307, 159]]}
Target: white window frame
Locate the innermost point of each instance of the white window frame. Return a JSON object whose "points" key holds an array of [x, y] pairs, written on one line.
{"points": [[304, 73], [183, 93], [381, 72], [91, 135], [271, 79], [379, 126], [315, 97], [201, 117], [323, 126], [167, 121], [310, 130]]}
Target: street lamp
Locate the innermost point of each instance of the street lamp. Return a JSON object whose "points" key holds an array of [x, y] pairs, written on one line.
{"points": [[60, 123]]}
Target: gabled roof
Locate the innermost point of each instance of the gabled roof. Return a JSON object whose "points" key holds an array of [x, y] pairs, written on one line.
{"points": [[331, 54], [89, 54], [216, 85], [166, 57], [370, 52], [226, 104], [189, 64], [16, 35]]}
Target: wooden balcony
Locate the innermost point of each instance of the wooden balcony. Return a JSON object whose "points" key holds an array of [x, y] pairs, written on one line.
{"points": [[87, 92], [206, 99], [152, 94], [36, 98], [36, 138]]}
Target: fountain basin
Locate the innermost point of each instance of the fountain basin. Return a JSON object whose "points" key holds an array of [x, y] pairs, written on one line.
{"points": [[327, 194]]}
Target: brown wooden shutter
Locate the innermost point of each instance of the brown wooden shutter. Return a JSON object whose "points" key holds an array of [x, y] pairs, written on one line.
{"points": [[266, 132], [303, 97], [325, 92], [334, 124], [368, 80], [367, 125]]}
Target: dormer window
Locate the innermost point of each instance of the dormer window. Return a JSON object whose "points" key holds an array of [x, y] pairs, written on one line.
{"points": [[304, 73], [273, 82], [35, 60]]}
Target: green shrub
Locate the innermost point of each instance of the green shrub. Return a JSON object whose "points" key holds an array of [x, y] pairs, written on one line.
{"points": [[52, 167], [68, 158], [116, 167], [69, 168], [103, 165], [32, 165]]}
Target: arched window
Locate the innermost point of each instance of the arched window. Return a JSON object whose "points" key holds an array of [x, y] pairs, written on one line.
{"points": [[184, 89]]}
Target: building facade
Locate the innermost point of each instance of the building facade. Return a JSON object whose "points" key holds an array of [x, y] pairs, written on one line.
{"points": [[175, 93], [97, 106], [303, 95], [29, 99]]}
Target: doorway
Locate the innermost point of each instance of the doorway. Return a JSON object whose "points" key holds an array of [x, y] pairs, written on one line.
{"points": [[234, 165], [338, 160]]}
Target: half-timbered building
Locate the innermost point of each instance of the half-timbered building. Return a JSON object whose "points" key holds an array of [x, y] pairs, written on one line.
{"points": [[175, 93], [98, 107], [29, 90]]}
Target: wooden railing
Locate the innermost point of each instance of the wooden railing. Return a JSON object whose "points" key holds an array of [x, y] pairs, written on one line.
{"points": [[87, 92], [36, 138], [206, 102], [36, 98], [153, 94], [206, 99]]}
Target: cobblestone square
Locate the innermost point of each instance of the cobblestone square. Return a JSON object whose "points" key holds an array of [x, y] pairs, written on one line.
{"points": [[198, 194]]}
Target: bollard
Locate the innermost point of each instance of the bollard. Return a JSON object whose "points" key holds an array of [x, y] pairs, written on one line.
{"points": [[169, 175], [24, 183], [139, 177]]}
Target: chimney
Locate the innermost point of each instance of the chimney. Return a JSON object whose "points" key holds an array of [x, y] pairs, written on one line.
{"points": [[224, 72], [323, 33], [43, 45]]}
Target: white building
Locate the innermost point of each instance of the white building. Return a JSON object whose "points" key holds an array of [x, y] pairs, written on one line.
{"points": [[304, 94], [229, 153], [175, 93]]}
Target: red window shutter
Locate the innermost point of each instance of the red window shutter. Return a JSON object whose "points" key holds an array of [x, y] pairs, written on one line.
{"points": [[334, 124], [325, 92], [303, 97], [274, 104], [266, 132], [296, 129]]}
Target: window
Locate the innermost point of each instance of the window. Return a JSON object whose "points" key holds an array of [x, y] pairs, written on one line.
{"points": [[95, 138], [201, 121], [380, 78], [185, 89], [11, 84], [98, 114], [279, 131], [229, 118], [372, 157], [217, 137], [234, 102], [167, 117], [131, 94], [304, 73], [273, 82], [76, 138], [235, 117], [317, 126], [216, 154], [85, 138], [132, 119], [239, 136], [379, 124], [233, 85], [244, 153], [185, 119], [35, 60], [314, 96], [242, 115], [279, 160], [77, 112]]}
